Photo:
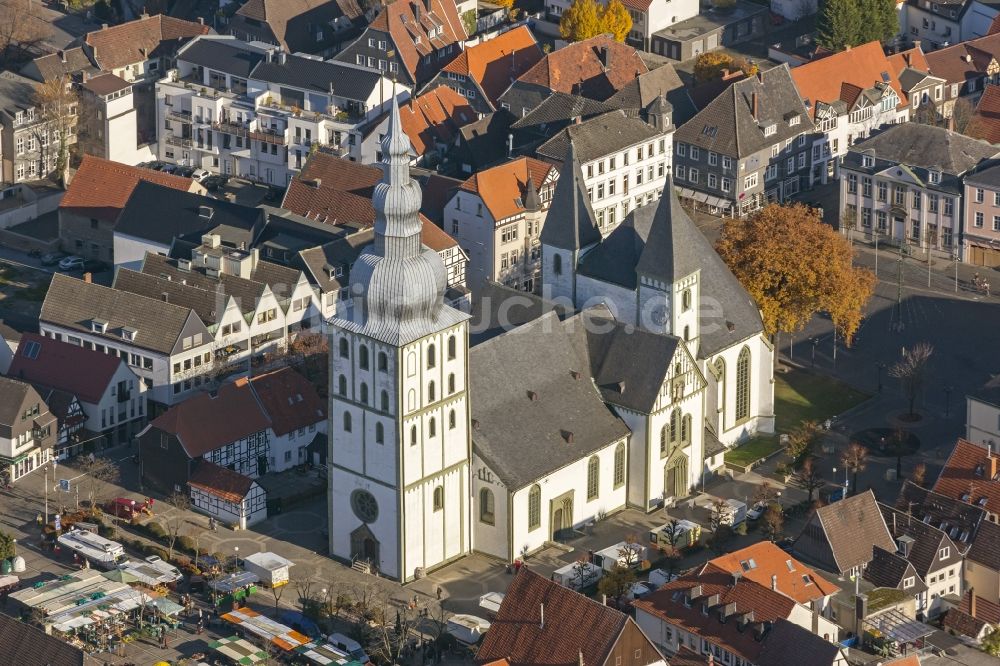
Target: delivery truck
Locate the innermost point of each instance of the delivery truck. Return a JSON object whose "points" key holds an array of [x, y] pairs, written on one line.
{"points": [[102, 553]]}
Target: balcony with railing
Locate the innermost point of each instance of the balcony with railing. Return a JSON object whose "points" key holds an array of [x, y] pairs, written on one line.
{"points": [[179, 141]]}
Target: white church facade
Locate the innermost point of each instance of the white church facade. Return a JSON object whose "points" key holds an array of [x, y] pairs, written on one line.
{"points": [[627, 396]]}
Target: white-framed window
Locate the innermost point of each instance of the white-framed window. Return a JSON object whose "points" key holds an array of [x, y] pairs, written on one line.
{"points": [[681, 149], [909, 582], [713, 158], [727, 184], [693, 176], [727, 162], [750, 181], [695, 153], [713, 180]]}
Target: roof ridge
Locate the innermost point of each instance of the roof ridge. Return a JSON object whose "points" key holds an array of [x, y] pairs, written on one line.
{"points": [[62, 277]]}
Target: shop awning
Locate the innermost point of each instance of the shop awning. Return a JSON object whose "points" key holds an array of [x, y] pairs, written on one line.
{"points": [[166, 606], [234, 582], [239, 650]]}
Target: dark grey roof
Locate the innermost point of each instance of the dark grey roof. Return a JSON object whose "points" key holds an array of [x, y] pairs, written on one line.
{"points": [[62, 63], [841, 536], [327, 76], [927, 541], [561, 106], [160, 214], [985, 549], [497, 308], [987, 175], [281, 279], [73, 303], [321, 263], [713, 445], [13, 393], [727, 125], [788, 643], [629, 364], [909, 78], [941, 510], [16, 92], [231, 56], [210, 306], [571, 222], [597, 137], [565, 421], [660, 240], [662, 81], [889, 569], [22, 643], [246, 292], [925, 146]]}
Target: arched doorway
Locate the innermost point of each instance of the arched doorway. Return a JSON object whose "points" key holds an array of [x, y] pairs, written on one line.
{"points": [[562, 514], [364, 546], [675, 475]]}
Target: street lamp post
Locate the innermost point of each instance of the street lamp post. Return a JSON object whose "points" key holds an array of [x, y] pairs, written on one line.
{"points": [[879, 367], [236, 558], [814, 342]]}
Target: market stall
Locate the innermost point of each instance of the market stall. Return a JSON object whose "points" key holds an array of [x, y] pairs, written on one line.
{"points": [[234, 587], [238, 650], [100, 622], [167, 610], [323, 653], [66, 593], [270, 567], [251, 621]]}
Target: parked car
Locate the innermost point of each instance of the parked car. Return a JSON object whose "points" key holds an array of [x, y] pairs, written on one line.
{"points": [[169, 168], [215, 182], [640, 589], [155, 165], [184, 171], [757, 510], [52, 258], [71, 263], [200, 174], [786, 544]]}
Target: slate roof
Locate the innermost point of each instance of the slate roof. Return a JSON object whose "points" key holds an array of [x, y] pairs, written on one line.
{"points": [[560, 107], [483, 142], [726, 124], [345, 79], [91, 373], [668, 603], [794, 579], [210, 306], [496, 63], [503, 188], [74, 304], [16, 92], [101, 188], [663, 81], [958, 518], [890, 569], [222, 482], [925, 146], [788, 643], [204, 422], [160, 214], [289, 399], [575, 627], [570, 223], [540, 359], [246, 292], [222, 54], [927, 541], [971, 469], [22, 643], [840, 536], [13, 394], [599, 136], [985, 122], [985, 549], [292, 22], [140, 40], [660, 240]]}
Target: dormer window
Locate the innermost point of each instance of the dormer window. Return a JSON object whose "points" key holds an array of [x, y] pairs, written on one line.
{"points": [[128, 333], [867, 160], [99, 326], [909, 582], [793, 121], [770, 130], [934, 176]]}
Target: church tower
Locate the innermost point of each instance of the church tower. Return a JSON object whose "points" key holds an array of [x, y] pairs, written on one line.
{"points": [[570, 229], [399, 452]]}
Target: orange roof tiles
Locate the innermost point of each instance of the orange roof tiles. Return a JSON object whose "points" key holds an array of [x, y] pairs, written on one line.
{"points": [[435, 238], [578, 67], [971, 470], [92, 370], [985, 122], [965, 60], [844, 75], [772, 561], [407, 20], [498, 62], [911, 58], [101, 188], [435, 116], [288, 399], [222, 482], [502, 187], [140, 40]]}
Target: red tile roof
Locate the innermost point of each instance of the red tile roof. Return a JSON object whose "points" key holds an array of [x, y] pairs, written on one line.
{"points": [[844, 75], [965, 60], [912, 58], [140, 40], [407, 20], [435, 117], [769, 560], [289, 400], [498, 62], [205, 422], [502, 187], [985, 122], [573, 625], [961, 619], [91, 372], [971, 470], [338, 191], [576, 68], [667, 603], [222, 482], [101, 188]]}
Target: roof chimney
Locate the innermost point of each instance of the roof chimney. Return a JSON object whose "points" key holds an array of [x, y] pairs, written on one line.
{"points": [[994, 460], [753, 105], [906, 58], [605, 56], [62, 55], [87, 277], [579, 660], [568, 436], [532, 396], [774, 582], [165, 297]]}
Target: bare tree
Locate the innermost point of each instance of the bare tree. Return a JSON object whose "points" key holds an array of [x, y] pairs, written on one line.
{"points": [[809, 477], [765, 492], [801, 441], [774, 522], [855, 459], [100, 473], [388, 641], [303, 581], [276, 592], [176, 519], [20, 30], [962, 113], [722, 525], [58, 102], [911, 370], [918, 474]]}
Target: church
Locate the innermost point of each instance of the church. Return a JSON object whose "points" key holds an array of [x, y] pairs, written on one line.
{"points": [[646, 359]]}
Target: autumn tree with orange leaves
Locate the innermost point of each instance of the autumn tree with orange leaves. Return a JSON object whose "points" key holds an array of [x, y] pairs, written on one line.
{"points": [[795, 267]]}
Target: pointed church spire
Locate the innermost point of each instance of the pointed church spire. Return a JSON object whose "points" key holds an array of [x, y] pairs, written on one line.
{"points": [[571, 222], [670, 252], [532, 202], [397, 196]]}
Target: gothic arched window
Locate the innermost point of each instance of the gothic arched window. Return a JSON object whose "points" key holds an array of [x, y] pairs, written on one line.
{"points": [[347, 422], [452, 345], [619, 465], [438, 498], [363, 357], [431, 356], [743, 385], [345, 348], [379, 433], [593, 477], [383, 362], [534, 507], [486, 506]]}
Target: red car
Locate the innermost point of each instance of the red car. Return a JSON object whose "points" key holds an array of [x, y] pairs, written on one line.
{"points": [[126, 508]]}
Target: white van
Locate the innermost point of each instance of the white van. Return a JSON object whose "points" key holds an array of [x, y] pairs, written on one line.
{"points": [[348, 645]]}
